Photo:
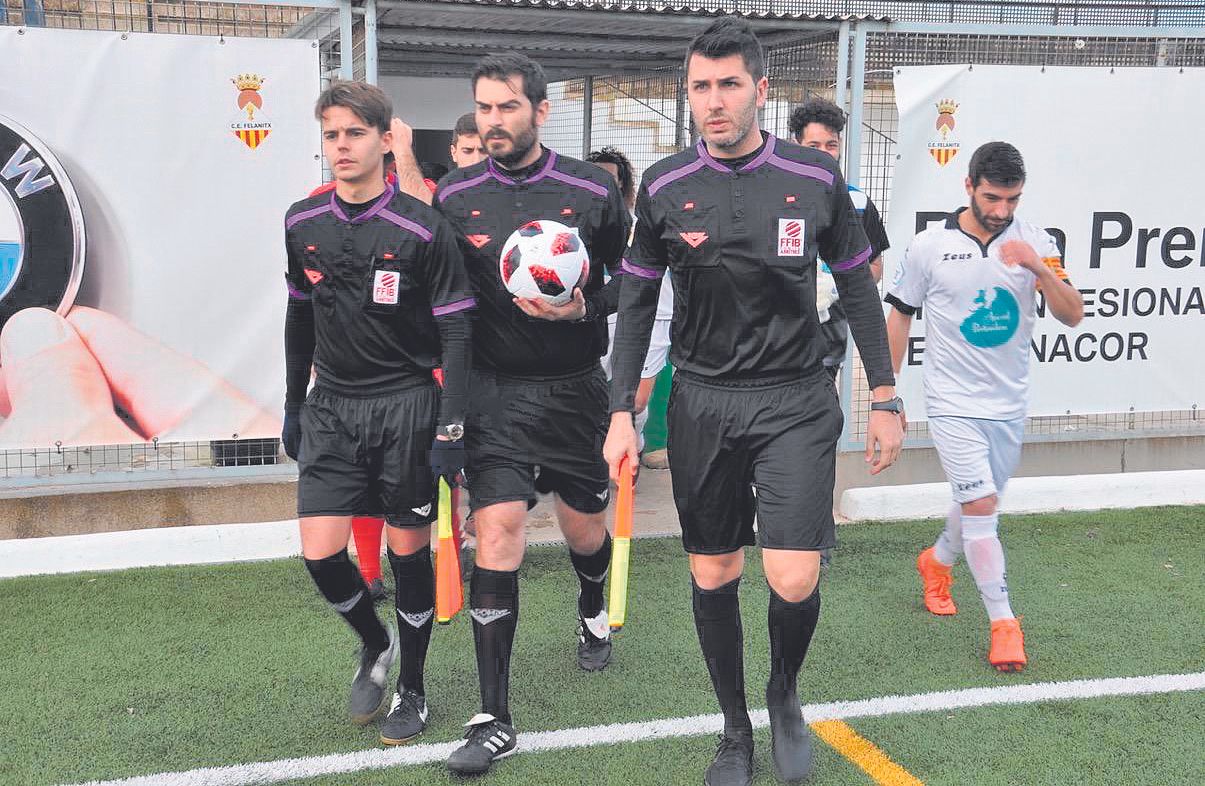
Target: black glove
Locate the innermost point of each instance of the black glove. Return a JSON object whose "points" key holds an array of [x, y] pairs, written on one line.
{"points": [[447, 459], [290, 435]]}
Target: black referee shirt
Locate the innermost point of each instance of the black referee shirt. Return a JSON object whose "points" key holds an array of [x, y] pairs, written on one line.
{"points": [[485, 204], [742, 244], [377, 280]]}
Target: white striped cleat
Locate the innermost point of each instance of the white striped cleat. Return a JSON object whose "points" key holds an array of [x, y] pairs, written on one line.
{"points": [[487, 740]]}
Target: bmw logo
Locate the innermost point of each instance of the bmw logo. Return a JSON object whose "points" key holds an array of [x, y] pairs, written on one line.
{"points": [[41, 226]]}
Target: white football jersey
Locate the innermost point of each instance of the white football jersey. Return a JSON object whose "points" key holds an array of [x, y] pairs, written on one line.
{"points": [[979, 316]]}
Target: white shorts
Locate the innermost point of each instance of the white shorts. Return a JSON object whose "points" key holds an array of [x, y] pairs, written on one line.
{"points": [[978, 456], [657, 356]]}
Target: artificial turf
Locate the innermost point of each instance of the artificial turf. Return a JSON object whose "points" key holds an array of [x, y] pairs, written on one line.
{"points": [[107, 675]]}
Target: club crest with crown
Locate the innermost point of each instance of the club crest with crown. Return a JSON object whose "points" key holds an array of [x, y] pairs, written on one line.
{"points": [[251, 125], [944, 146]]}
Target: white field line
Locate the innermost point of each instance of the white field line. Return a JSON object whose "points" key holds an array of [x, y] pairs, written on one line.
{"points": [[588, 736]]}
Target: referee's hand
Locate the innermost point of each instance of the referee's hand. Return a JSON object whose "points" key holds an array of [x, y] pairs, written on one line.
{"points": [[884, 438], [446, 458], [572, 311], [621, 443]]}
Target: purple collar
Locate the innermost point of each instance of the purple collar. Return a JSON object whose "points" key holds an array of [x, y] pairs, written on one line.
{"points": [[761, 158], [367, 214], [502, 176]]}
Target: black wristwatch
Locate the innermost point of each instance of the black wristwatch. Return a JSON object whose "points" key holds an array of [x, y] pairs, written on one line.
{"points": [[452, 431], [895, 405]]}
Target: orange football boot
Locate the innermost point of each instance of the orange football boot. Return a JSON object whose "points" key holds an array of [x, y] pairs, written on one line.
{"points": [[936, 579], [1007, 652]]}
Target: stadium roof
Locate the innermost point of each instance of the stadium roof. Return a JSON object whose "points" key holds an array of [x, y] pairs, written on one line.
{"points": [[570, 39]]}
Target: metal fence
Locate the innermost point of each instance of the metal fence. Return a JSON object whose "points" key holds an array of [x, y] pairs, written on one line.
{"points": [[887, 48], [183, 17], [645, 115]]}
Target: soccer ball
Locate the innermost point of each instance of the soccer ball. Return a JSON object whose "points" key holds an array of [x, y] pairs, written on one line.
{"points": [[544, 259]]}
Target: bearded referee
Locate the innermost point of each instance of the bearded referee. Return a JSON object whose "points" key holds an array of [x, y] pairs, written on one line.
{"points": [[537, 412]]}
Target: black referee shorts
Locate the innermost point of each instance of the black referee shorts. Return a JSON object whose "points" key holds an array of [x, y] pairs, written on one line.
{"points": [[368, 456], [526, 437], [739, 451]]}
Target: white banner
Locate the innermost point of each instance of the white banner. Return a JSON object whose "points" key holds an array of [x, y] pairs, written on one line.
{"points": [[185, 152], [1114, 171]]}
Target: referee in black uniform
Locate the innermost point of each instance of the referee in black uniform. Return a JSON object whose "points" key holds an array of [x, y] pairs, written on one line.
{"points": [[537, 412], [378, 297], [753, 418]]}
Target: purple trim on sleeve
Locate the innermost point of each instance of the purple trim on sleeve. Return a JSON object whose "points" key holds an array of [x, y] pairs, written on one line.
{"points": [[452, 308], [850, 264], [296, 293], [297, 218], [407, 224], [637, 270], [463, 184], [579, 182], [761, 158], [807, 170]]}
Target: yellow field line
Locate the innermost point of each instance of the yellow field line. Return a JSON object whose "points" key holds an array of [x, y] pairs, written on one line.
{"points": [[863, 753]]}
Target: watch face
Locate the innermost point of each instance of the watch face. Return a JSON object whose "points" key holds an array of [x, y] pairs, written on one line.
{"points": [[454, 431], [41, 226]]}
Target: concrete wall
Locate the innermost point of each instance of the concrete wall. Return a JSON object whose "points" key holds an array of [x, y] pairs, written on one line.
{"points": [[67, 510], [920, 465]]}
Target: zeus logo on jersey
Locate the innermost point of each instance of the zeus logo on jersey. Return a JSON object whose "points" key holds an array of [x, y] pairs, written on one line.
{"points": [[41, 226], [384, 287], [790, 237]]}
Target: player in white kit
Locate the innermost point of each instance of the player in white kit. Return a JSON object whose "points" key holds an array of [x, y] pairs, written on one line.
{"points": [[977, 277]]}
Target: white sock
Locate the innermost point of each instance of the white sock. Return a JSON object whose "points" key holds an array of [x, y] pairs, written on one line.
{"points": [[949, 542], [638, 420], [985, 558]]}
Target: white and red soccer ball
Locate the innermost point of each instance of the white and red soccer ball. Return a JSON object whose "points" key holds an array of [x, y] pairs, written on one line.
{"points": [[544, 259]]}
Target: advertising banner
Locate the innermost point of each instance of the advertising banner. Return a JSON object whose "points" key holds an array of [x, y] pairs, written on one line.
{"points": [[1112, 173], [143, 184]]}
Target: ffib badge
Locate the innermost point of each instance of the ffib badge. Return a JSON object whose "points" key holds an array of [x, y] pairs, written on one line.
{"points": [[384, 288], [790, 237]]}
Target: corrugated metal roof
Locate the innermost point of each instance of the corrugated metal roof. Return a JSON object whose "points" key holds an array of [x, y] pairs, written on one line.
{"points": [[653, 7], [570, 38]]}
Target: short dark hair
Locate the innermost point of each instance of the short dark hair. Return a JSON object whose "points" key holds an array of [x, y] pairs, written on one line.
{"points": [[730, 35], [817, 110], [998, 163], [432, 170], [611, 155], [368, 102], [505, 65], [466, 125]]}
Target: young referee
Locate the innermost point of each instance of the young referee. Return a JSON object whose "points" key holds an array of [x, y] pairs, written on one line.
{"points": [[378, 297], [753, 417]]}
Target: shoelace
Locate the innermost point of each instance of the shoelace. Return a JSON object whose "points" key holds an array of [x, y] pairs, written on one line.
{"points": [[408, 697], [481, 732]]}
